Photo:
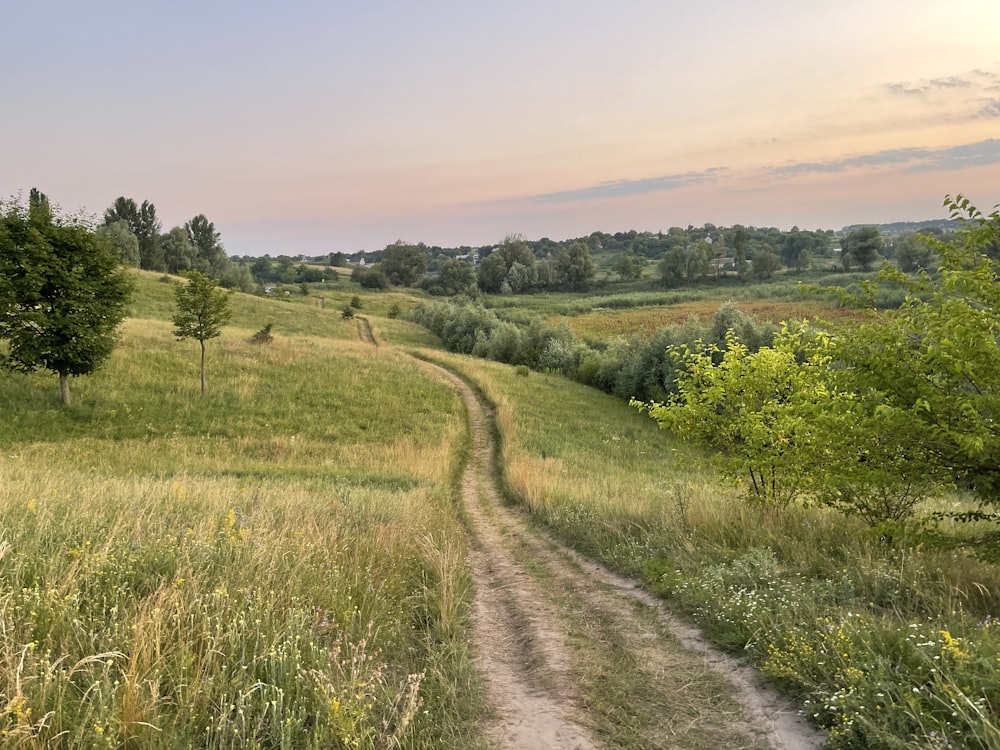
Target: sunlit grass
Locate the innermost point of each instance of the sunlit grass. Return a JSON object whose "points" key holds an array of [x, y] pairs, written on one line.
{"points": [[276, 564]]}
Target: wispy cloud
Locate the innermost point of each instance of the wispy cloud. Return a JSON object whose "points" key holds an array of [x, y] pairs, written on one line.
{"points": [[951, 82], [959, 157], [912, 159], [920, 88], [990, 109], [622, 188], [877, 159]]}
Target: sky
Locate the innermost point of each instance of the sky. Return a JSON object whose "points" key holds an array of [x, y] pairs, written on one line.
{"points": [[307, 126]]}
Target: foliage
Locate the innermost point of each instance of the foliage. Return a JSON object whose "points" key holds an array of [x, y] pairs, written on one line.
{"points": [[403, 264], [454, 277], [863, 246], [639, 367], [935, 362], [574, 268], [202, 310], [509, 269], [744, 407], [370, 277], [347, 312], [145, 225], [64, 292], [123, 240], [764, 265], [179, 254], [914, 253], [630, 266], [264, 335]]}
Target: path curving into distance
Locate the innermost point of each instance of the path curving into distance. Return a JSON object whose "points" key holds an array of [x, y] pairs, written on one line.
{"points": [[529, 589]]}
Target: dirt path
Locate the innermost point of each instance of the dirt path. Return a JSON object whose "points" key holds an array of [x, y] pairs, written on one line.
{"points": [[536, 601], [365, 331]]}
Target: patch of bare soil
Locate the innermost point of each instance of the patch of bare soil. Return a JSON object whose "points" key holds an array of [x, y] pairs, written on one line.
{"points": [[534, 597]]}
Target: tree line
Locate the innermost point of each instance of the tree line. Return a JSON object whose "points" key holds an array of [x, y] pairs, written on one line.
{"points": [[868, 419], [135, 232]]}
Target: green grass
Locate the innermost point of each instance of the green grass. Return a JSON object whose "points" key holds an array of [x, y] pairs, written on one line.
{"points": [[884, 646], [276, 564]]}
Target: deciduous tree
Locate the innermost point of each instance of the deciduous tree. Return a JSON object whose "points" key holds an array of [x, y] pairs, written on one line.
{"points": [[403, 264], [144, 225], [202, 310], [63, 295], [864, 245], [575, 268]]}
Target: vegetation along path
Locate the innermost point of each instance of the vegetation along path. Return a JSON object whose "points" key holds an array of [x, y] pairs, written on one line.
{"points": [[576, 657]]}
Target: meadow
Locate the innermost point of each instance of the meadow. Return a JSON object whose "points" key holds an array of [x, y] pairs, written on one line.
{"points": [[278, 564], [884, 645], [281, 563]]}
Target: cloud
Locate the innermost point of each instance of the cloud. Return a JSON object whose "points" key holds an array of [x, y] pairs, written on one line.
{"points": [[960, 157], [951, 82], [622, 188], [912, 159], [907, 88], [990, 109], [877, 159]]}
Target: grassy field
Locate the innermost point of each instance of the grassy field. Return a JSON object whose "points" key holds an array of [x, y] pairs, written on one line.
{"points": [[608, 323], [277, 564], [883, 645]]}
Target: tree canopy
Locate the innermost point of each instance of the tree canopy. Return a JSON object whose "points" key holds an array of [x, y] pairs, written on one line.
{"points": [[64, 292]]}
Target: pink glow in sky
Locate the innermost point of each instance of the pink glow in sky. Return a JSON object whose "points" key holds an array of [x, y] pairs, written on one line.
{"points": [[310, 127]]}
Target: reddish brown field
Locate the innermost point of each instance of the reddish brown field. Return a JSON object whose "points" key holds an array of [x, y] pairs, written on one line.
{"points": [[608, 323]]}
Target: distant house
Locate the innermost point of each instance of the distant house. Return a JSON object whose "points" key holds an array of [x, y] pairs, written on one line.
{"points": [[723, 264]]}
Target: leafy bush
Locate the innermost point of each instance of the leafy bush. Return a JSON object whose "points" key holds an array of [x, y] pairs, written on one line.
{"points": [[263, 336]]}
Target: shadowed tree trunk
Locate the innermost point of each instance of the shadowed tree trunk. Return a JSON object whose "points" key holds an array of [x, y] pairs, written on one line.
{"points": [[64, 388]]}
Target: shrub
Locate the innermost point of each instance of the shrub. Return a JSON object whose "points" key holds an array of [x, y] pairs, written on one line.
{"points": [[263, 336]]}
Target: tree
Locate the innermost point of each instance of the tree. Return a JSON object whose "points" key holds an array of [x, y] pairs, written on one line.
{"points": [[673, 266], [864, 245], [629, 266], [370, 277], [935, 361], [64, 292], [144, 225], [575, 268], [740, 249], [209, 253], [492, 273], [510, 268], [178, 253], [202, 310], [121, 238], [743, 407], [403, 264], [914, 253], [764, 265], [456, 277]]}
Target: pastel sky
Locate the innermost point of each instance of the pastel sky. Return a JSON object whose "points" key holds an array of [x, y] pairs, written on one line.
{"points": [[312, 126]]}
